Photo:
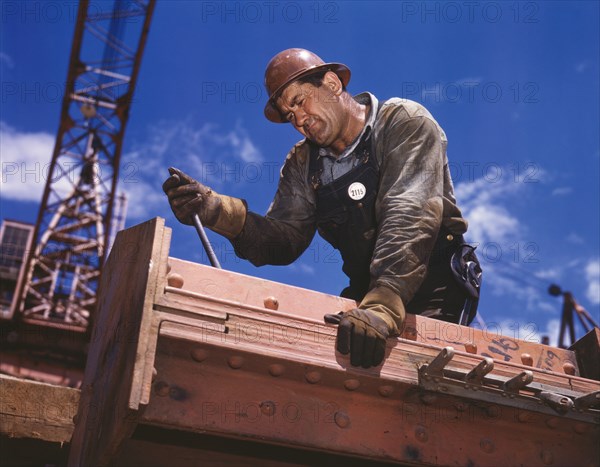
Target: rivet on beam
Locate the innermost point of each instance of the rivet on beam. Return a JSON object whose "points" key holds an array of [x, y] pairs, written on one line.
{"points": [[486, 445], [421, 434], [552, 422], [526, 359], [428, 398], [471, 347], [268, 408], [271, 303], [199, 355], [351, 384], [341, 419], [276, 369], [235, 362], [569, 368], [313, 377], [386, 391], [175, 280]]}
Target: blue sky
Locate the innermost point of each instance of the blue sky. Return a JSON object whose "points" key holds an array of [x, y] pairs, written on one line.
{"points": [[515, 85]]}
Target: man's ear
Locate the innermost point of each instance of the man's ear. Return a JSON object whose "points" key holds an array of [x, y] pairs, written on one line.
{"points": [[333, 83]]}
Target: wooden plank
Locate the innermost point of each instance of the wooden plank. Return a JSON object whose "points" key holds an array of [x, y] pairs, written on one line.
{"points": [[122, 346], [29, 409]]}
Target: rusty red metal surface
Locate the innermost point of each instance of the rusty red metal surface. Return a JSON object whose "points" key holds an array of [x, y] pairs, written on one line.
{"points": [[208, 351]]}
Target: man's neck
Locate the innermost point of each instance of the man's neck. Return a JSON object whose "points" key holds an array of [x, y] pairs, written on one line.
{"points": [[357, 117]]}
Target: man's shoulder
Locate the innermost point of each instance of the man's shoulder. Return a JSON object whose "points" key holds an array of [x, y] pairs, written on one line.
{"points": [[405, 107], [410, 115], [299, 153]]}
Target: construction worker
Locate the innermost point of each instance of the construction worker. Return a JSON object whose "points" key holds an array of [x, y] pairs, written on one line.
{"points": [[372, 178]]}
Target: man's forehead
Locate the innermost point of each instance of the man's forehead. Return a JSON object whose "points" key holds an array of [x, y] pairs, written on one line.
{"points": [[293, 91]]}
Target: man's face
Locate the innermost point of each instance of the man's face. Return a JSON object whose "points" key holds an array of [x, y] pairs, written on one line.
{"points": [[314, 112]]}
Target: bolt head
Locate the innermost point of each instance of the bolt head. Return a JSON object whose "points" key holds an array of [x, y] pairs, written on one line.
{"points": [[313, 377], [351, 384], [199, 355], [276, 369], [271, 303], [235, 362], [175, 280], [341, 419]]}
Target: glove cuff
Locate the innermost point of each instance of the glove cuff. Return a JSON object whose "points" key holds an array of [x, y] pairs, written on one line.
{"points": [[387, 304], [232, 216]]}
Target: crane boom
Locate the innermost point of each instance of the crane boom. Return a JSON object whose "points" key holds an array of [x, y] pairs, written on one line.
{"points": [[73, 224]]}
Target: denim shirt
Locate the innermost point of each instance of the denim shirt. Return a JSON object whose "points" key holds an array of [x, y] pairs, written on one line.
{"points": [[415, 198], [336, 166]]}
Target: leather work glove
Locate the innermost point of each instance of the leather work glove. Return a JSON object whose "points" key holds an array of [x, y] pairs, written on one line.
{"points": [[223, 214], [363, 331]]}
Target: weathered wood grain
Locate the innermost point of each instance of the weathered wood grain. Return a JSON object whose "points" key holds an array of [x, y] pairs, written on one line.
{"points": [[29, 409], [122, 347]]}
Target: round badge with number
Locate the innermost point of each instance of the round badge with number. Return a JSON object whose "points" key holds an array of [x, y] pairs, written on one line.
{"points": [[357, 191]]}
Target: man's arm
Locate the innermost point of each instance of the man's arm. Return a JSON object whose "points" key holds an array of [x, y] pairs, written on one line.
{"points": [[409, 209], [409, 205], [287, 229]]}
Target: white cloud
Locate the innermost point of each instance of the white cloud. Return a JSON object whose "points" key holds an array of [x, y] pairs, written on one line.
{"points": [[484, 204], [25, 163], [7, 60], [144, 200], [491, 223], [561, 191], [550, 273], [592, 275], [222, 159], [575, 239], [214, 156]]}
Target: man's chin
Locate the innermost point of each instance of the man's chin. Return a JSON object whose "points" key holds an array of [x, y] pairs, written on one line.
{"points": [[316, 140]]}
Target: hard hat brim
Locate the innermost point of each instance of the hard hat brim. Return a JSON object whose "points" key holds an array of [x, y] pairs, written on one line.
{"points": [[271, 111]]}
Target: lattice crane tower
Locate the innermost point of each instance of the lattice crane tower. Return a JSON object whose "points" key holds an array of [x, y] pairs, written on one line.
{"points": [[74, 221]]}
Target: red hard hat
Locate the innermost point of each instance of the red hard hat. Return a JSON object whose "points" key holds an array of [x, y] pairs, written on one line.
{"points": [[290, 65]]}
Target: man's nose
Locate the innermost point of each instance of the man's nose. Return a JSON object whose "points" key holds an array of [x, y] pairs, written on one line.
{"points": [[300, 117]]}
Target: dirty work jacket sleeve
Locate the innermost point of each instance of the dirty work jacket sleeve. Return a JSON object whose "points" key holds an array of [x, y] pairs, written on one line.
{"points": [[411, 149], [287, 229]]}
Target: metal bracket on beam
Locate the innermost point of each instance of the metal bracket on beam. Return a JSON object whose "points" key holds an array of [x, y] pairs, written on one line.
{"points": [[518, 382], [519, 391], [558, 402], [587, 401], [476, 375], [435, 369]]}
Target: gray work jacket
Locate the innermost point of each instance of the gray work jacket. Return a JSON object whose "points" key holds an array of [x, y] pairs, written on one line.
{"points": [[415, 198]]}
